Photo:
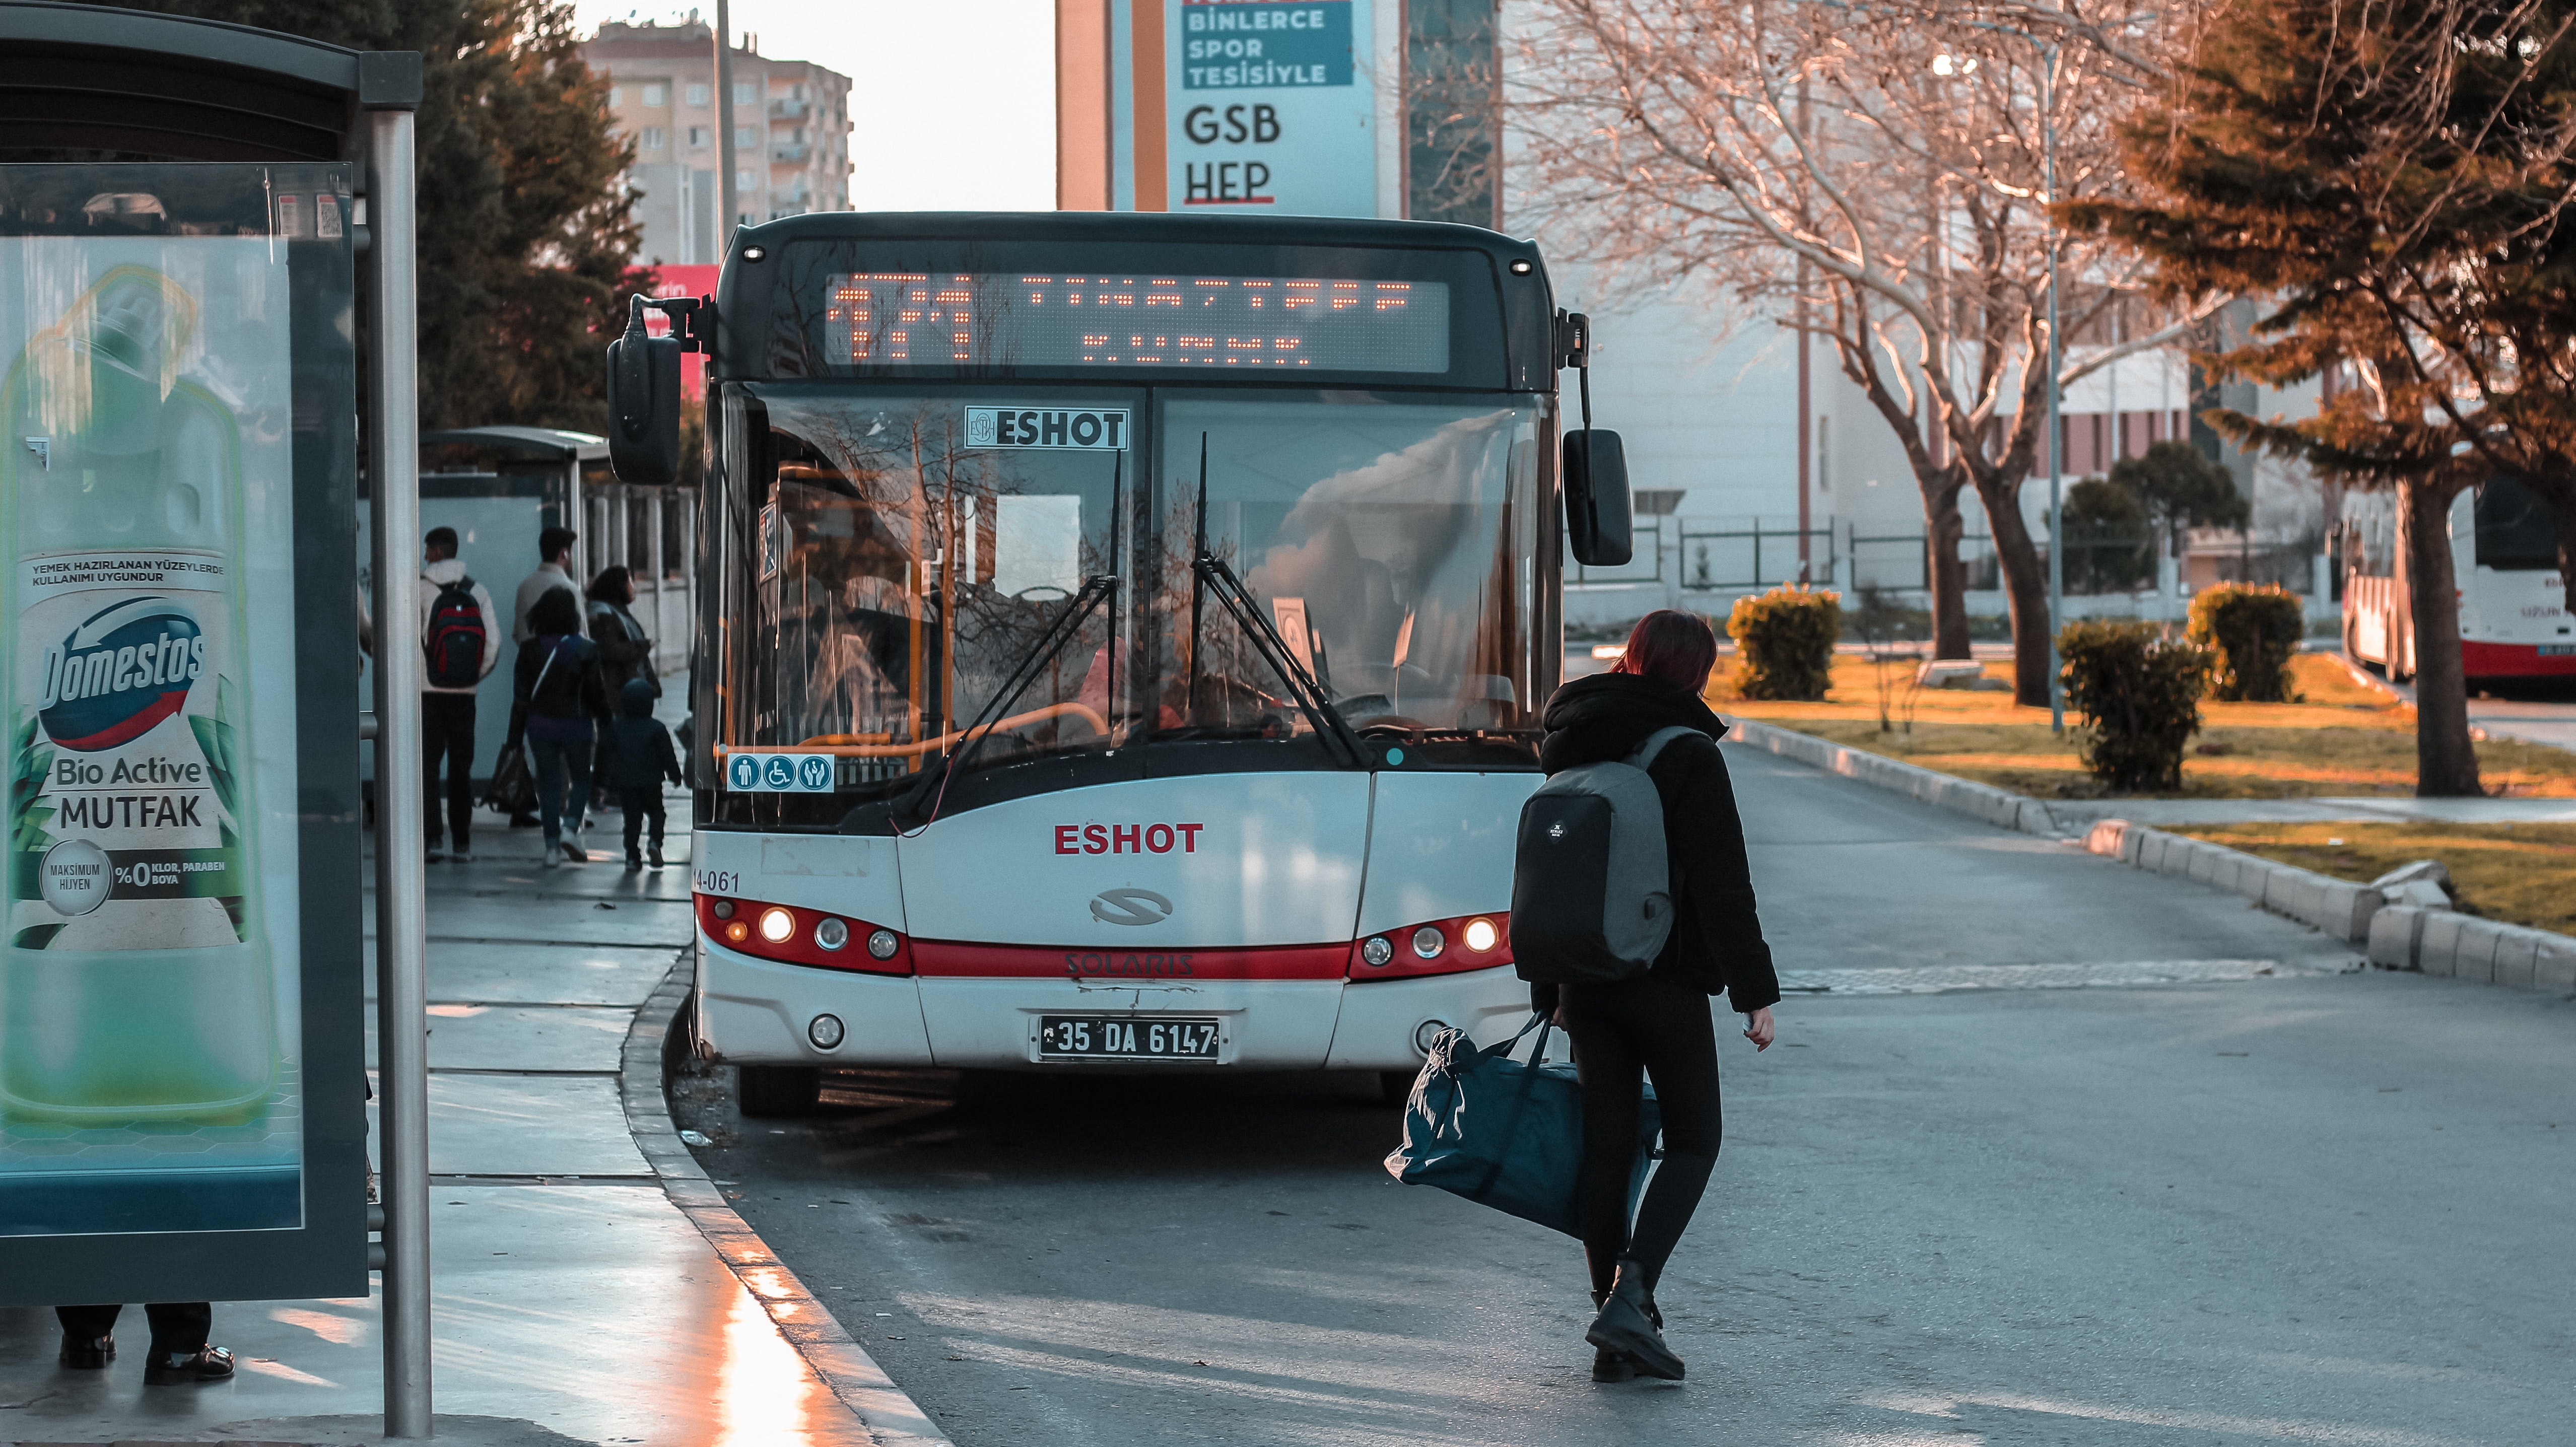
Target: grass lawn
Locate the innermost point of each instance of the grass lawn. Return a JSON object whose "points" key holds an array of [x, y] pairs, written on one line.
{"points": [[2342, 739], [2518, 873]]}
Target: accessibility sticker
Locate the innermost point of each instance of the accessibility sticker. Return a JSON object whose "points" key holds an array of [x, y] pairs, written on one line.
{"points": [[778, 773]]}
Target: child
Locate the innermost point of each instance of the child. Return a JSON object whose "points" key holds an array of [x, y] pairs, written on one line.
{"points": [[643, 759]]}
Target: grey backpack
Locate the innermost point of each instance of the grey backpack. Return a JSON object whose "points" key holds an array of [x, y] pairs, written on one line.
{"points": [[1591, 883]]}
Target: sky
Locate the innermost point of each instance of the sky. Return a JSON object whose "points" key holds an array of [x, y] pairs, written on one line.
{"points": [[953, 103]]}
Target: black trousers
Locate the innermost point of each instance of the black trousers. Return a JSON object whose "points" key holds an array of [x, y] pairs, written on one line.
{"points": [[177, 1326], [1655, 1027], [639, 805], [447, 731]]}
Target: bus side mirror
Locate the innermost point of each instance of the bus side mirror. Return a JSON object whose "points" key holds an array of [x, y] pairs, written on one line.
{"points": [[643, 403], [1599, 521]]}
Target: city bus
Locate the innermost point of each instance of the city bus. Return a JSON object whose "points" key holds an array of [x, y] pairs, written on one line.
{"points": [[1122, 640], [2514, 623]]}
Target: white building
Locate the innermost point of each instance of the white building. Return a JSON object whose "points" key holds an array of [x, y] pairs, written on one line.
{"points": [[791, 141]]}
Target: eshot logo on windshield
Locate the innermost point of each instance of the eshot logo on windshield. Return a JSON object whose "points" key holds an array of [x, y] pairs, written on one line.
{"points": [[1078, 429], [778, 773]]}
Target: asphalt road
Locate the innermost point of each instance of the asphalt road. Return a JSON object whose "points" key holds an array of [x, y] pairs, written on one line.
{"points": [[2314, 1206]]}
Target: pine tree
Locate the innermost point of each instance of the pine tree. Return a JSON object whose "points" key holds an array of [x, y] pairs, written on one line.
{"points": [[2391, 181]]}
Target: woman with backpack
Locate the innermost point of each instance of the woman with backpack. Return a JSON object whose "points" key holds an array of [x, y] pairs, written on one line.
{"points": [[559, 706], [1657, 1024]]}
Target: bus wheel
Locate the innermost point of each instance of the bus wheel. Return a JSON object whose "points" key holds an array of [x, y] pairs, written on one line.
{"points": [[774, 1092], [1395, 1087]]}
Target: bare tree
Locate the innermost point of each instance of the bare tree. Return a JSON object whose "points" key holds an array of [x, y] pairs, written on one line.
{"points": [[1876, 174]]}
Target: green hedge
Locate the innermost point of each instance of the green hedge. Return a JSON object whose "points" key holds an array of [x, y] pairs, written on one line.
{"points": [[2140, 698], [1784, 643], [2255, 631]]}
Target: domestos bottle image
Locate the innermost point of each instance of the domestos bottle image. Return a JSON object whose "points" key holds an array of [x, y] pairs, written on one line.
{"points": [[135, 980]]}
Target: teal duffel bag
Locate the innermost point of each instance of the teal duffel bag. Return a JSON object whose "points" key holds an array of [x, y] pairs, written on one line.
{"points": [[1504, 1134]]}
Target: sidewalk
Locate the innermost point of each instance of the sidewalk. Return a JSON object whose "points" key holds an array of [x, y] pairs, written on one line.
{"points": [[2388, 808], [573, 1301]]}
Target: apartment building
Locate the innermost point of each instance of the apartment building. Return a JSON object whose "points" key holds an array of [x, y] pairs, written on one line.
{"points": [[791, 134]]}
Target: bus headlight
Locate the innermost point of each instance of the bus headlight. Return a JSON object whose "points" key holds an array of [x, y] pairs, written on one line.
{"points": [[825, 1032], [723, 908], [1480, 935], [882, 944], [736, 932], [1376, 951], [1428, 942], [831, 934], [776, 925]]}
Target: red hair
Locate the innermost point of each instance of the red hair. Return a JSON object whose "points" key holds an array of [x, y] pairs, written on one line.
{"points": [[1677, 647]]}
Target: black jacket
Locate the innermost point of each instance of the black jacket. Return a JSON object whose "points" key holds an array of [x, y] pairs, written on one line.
{"points": [[640, 756], [1717, 942], [572, 699]]}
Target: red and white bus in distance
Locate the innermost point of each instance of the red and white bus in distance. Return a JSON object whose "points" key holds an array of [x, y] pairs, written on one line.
{"points": [[1123, 642], [2514, 623]]}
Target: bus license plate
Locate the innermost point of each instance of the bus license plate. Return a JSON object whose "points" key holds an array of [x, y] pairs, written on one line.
{"points": [[2558, 650], [1126, 1037]]}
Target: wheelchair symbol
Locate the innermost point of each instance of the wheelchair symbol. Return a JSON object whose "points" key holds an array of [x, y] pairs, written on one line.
{"points": [[778, 772], [814, 774], [745, 771]]}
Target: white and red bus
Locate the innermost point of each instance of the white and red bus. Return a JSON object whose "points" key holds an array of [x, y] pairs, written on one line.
{"points": [[2514, 624], [1123, 642]]}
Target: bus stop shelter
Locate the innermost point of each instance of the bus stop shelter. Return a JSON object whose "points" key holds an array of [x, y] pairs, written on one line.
{"points": [[131, 141]]}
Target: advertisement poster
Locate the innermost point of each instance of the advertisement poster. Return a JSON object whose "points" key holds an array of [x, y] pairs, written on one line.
{"points": [[149, 1071], [1268, 107]]}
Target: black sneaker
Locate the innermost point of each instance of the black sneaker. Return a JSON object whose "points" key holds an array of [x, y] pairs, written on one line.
{"points": [[656, 856], [1613, 1366], [188, 1369], [635, 864], [87, 1354]]}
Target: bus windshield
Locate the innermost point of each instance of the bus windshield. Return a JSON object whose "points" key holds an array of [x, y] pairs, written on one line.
{"points": [[897, 558]]}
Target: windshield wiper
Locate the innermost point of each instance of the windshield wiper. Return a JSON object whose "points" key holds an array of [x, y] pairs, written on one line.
{"points": [[1067, 626], [1210, 573], [1230, 592]]}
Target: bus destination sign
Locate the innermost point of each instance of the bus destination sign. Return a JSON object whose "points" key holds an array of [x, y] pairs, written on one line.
{"points": [[922, 320]]}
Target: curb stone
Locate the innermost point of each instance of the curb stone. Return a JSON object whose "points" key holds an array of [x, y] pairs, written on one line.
{"points": [[2434, 942], [2440, 942], [1983, 802], [2337, 907], [887, 1412]]}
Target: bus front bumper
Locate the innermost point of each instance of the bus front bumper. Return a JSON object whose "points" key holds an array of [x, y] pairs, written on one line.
{"points": [[755, 1012]]}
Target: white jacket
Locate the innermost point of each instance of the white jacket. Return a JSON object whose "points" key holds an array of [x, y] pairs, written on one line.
{"points": [[438, 575]]}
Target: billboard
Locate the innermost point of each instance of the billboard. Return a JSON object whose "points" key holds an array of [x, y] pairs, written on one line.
{"points": [[177, 679], [1268, 108]]}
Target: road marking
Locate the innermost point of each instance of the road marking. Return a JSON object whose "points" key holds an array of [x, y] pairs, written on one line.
{"points": [[1934, 979]]}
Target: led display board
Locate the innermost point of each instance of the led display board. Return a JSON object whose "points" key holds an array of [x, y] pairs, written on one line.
{"points": [[1111, 321]]}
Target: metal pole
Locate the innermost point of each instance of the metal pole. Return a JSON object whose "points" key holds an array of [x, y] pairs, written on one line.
{"points": [[2056, 449], [402, 981], [729, 205]]}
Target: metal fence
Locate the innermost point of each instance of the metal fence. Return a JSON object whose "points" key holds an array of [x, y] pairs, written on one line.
{"points": [[1904, 560], [1696, 554]]}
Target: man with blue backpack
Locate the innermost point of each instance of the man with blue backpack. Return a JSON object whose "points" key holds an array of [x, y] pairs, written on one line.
{"points": [[458, 629]]}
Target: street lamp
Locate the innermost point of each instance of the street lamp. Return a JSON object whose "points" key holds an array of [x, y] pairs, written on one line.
{"points": [[2056, 368], [1945, 64]]}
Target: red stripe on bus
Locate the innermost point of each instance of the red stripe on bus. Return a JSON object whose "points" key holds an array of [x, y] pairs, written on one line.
{"points": [[956, 959], [2504, 660]]}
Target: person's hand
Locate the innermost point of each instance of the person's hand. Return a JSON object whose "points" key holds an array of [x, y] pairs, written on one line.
{"points": [[1759, 1029]]}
